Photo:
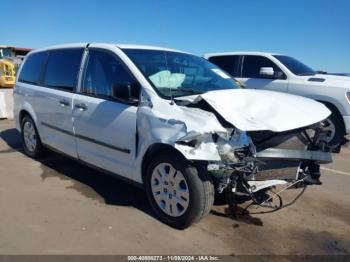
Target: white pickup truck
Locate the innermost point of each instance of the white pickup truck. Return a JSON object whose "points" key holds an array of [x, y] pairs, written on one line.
{"points": [[259, 70]]}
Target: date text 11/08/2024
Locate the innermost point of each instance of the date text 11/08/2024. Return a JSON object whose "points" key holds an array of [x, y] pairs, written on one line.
{"points": [[173, 258]]}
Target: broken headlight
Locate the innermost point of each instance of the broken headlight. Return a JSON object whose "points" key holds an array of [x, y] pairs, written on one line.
{"points": [[236, 148]]}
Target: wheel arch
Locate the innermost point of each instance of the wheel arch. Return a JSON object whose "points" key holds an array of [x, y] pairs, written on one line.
{"points": [[27, 109], [22, 114], [334, 109], [152, 151]]}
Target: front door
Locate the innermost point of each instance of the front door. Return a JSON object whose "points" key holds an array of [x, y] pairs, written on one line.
{"points": [[251, 77], [105, 128]]}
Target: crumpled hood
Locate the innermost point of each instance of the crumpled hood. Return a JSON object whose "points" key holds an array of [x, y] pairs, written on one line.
{"points": [[254, 110]]}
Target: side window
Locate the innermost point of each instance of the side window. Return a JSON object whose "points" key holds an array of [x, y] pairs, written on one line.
{"points": [[102, 72], [32, 68], [252, 65], [62, 68], [228, 63]]}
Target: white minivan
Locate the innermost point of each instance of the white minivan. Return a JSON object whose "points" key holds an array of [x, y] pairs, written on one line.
{"points": [[166, 120], [261, 70]]}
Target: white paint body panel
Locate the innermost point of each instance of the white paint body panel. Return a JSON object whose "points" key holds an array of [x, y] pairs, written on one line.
{"points": [[279, 85], [113, 124], [49, 110]]}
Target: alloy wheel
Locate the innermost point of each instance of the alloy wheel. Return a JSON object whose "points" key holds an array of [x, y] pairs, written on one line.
{"points": [[329, 127]]}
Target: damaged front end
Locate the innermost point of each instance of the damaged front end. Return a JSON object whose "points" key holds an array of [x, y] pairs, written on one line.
{"points": [[237, 156], [242, 155]]}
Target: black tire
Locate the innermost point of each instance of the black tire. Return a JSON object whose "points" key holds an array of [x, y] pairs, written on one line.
{"points": [[336, 119], [200, 187], [38, 149]]}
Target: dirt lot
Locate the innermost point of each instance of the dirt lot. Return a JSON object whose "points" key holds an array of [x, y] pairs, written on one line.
{"points": [[57, 206]]}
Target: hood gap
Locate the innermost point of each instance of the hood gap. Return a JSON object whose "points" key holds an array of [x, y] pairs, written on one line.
{"points": [[204, 105]]}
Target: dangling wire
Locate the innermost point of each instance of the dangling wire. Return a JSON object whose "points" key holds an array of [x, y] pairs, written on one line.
{"points": [[278, 207]]}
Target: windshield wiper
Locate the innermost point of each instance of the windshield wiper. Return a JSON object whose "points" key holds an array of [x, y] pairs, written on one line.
{"points": [[188, 90]]}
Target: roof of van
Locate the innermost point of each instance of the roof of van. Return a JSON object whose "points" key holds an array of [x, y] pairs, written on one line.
{"points": [[148, 47], [121, 46], [238, 53]]}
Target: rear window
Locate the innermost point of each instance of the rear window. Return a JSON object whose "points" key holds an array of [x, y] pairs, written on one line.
{"points": [[32, 68], [228, 63], [62, 68]]}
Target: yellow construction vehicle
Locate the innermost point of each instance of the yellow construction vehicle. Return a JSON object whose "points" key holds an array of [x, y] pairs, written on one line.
{"points": [[7, 68], [10, 60]]}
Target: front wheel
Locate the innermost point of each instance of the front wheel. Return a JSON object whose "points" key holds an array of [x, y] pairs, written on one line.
{"points": [[335, 128], [178, 194]]}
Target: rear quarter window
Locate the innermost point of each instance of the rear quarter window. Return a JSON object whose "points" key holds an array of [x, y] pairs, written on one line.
{"points": [[62, 68], [32, 68]]}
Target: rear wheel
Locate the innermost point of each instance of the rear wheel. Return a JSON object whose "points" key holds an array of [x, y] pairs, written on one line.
{"points": [[30, 138], [178, 194]]}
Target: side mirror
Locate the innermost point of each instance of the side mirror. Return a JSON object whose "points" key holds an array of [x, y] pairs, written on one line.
{"points": [[267, 72], [125, 92], [279, 75]]}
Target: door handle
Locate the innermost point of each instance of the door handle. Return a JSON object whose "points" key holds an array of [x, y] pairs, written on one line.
{"points": [[64, 102], [81, 106]]}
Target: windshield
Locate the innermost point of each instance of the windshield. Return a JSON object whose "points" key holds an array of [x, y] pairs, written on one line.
{"points": [[5, 52], [175, 74], [295, 66]]}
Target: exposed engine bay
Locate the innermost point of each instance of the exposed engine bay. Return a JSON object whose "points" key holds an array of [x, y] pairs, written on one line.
{"points": [[237, 156], [240, 174]]}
